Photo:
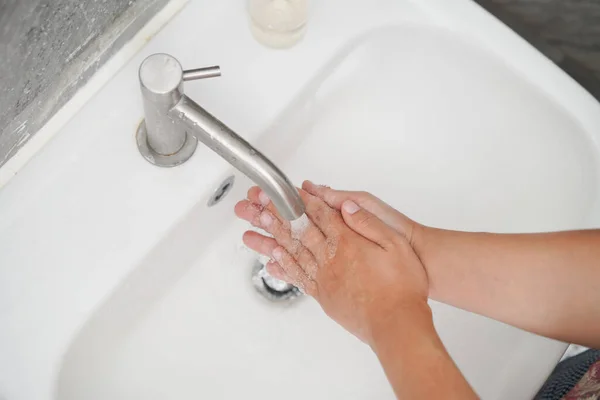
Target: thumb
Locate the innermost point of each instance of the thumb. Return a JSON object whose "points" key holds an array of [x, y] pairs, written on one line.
{"points": [[367, 224]]}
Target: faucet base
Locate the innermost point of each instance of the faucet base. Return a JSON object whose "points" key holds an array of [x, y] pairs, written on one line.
{"points": [[172, 160]]}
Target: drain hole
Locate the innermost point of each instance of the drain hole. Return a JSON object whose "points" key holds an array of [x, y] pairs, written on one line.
{"points": [[275, 286], [270, 288], [221, 191]]}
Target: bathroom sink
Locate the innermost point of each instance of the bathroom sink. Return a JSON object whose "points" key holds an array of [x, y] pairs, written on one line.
{"points": [[117, 281], [410, 129]]}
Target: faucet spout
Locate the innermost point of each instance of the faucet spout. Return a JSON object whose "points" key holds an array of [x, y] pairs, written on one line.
{"points": [[242, 155], [174, 123]]}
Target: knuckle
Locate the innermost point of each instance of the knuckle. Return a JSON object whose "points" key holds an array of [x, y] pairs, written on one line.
{"points": [[276, 229], [304, 256], [298, 280], [329, 195], [318, 218], [311, 239], [311, 270], [364, 220], [326, 191], [316, 204], [287, 266], [294, 247]]}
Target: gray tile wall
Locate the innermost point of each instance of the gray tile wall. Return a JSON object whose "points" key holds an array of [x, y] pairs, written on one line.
{"points": [[50, 48]]}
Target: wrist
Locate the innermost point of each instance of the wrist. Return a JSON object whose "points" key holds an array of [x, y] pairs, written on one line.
{"points": [[423, 244], [420, 237], [407, 321]]}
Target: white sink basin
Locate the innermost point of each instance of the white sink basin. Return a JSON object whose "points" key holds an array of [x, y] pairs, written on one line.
{"points": [[132, 288], [421, 117]]}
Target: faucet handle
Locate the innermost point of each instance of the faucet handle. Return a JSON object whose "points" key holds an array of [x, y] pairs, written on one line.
{"points": [[201, 73]]}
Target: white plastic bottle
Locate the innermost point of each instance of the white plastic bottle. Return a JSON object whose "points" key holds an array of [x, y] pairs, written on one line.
{"points": [[278, 23]]}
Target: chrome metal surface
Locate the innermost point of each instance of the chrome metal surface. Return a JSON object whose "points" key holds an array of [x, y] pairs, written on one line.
{"points": [[201, 73], [242, 155], [171, 117], [172, 160], [161, 81], [221, 191]]}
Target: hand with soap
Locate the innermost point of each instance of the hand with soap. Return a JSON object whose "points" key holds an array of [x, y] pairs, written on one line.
{"points": [[359, 269], [365, 275], [371, 269]]}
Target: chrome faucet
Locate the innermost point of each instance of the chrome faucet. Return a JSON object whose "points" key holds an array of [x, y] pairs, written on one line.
{"points": [[174, 124]]}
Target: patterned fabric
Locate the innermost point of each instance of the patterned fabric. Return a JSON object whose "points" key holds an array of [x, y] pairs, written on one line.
{"points": [[567, 375], [588, 387]]}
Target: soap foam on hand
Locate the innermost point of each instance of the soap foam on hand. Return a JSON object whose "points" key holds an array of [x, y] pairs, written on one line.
{"points": [[298, 226]]}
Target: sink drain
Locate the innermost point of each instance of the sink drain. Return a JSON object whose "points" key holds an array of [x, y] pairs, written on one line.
{"points": [[221, 191], [271, 288]]}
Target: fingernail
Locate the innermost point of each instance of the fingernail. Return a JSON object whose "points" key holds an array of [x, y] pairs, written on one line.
{"points": [[350, 207], [265, 219], [277, 254], [263, 198]]}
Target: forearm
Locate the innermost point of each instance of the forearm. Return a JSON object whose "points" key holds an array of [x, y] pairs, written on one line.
{"points": [[544, 283], [415, 360]]}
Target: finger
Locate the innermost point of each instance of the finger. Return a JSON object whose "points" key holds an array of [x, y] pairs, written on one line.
{"points": [[275, 270], [382, 210], [322, 214], [248, 211], [252, 194], [293, 270], [308, 259], [328, 220], [265, 245], [258, 196], [255, 196], [260, 243], [306, 232], [334, 198], [368, 225]]}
